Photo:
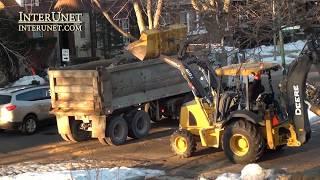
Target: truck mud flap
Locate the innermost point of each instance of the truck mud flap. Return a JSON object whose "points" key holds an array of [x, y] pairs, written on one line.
{"points": [[98, 126], [63, 124], [64, 128]]}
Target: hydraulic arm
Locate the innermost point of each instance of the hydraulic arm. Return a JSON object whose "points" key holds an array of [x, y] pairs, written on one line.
{"points": [[293, 89]]}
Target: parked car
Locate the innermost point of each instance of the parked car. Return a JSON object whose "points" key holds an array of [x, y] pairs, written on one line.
{"points": [[24, 107]]}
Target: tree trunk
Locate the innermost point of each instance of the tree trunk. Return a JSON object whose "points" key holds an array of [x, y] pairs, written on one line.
{"points": [[149, 13], [157, 14], [109, 18], [226, 6], [139, 16]]}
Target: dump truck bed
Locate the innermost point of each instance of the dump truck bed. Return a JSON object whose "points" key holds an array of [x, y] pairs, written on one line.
{"points": [[103, 90]]}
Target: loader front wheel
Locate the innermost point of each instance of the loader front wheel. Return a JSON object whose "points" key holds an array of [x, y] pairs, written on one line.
{"points": [[182, 143], [242, 142], [117, 131]]}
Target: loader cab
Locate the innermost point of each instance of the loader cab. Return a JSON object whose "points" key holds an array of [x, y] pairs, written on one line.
{"points": [[257, 94]]}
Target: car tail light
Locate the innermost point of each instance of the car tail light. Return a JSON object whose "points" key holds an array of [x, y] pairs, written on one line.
{"points": [[11, 107]]}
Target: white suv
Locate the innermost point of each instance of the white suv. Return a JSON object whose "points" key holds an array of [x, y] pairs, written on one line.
{"points": [[23, 107]]}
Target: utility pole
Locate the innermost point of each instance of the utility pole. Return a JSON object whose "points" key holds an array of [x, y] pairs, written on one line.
{"points": [[274, 27], [282, 53]]}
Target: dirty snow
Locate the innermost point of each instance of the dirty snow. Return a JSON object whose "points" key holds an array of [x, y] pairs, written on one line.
{"points": [[27, 80], [102, 173], [253, 172], [74, 170]]}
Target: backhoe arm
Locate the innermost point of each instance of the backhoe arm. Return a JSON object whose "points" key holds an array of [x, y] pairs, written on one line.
{"points": [[293, 90]]}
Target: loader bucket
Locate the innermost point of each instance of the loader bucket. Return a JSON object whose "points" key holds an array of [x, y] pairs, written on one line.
{"points": [[152, 43]]}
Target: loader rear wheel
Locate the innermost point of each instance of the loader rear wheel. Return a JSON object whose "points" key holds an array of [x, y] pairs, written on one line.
{"points": [[116, 131], [139, 125], [242, 142], [182, 143]]}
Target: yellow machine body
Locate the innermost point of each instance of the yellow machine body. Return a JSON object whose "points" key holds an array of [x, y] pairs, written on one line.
{"points": [[154, 42], [196, 118]]}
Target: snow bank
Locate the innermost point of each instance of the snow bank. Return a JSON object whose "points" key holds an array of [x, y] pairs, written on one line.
{"points": [[27, 80], [102, 173], [265, 53], [253, 172], [313, 117]]}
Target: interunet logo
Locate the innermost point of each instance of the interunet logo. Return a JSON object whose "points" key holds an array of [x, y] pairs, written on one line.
{"points": [[54, 21]]}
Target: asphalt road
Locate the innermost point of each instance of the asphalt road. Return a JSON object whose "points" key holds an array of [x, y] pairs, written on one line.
{"points": [[13, 140], [151, 152]]}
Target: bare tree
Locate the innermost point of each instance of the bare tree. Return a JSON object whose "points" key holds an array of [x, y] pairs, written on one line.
{"points": [[253, 21], [138, 5]]}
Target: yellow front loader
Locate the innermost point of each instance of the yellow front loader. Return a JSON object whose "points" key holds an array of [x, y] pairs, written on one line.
{"points": [[244, 121]]}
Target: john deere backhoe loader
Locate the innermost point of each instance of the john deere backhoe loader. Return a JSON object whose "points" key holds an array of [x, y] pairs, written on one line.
{"points": [[242, 124], [246, 120]]}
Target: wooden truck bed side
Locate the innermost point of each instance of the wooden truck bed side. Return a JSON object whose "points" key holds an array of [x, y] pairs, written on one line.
{"points": [[75, 92]]}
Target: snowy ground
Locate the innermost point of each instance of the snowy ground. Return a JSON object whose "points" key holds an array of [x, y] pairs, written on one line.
{"points": [[73, 170], [254, 172], [266, 53]]}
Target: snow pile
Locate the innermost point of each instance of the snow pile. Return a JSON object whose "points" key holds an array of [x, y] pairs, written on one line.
{"points": [[265, 53], [253, 172], [99, 173], [313, 118], [27, 80]]}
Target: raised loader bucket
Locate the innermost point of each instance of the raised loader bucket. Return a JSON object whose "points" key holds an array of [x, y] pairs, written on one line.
{"points": [[152, 43]]}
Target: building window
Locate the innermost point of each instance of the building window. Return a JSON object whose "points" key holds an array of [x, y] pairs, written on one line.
{"points": [[37, 34], [124, 24], [30, 3]]}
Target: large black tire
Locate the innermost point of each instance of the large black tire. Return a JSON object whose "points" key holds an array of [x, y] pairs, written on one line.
{"points": [[242, 142], [116, 131], [29, 124], [77, 133], [139, 125], [151, 109], [182, 143]]}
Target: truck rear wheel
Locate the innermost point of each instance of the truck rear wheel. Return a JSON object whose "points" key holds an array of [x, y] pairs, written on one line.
{"points": [[242, 142], [116, 131], [77, 134], [139, 125]]}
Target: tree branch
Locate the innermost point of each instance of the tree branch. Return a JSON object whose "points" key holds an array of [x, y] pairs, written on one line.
{"points": [[111, 21], [149, 13], [139, 16], [157, 14]]}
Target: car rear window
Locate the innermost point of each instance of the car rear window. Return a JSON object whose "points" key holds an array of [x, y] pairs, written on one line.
{"points": [[5, 99]]}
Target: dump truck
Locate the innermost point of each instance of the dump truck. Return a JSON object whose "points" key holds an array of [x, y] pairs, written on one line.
{"points": [[112, 103]]}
